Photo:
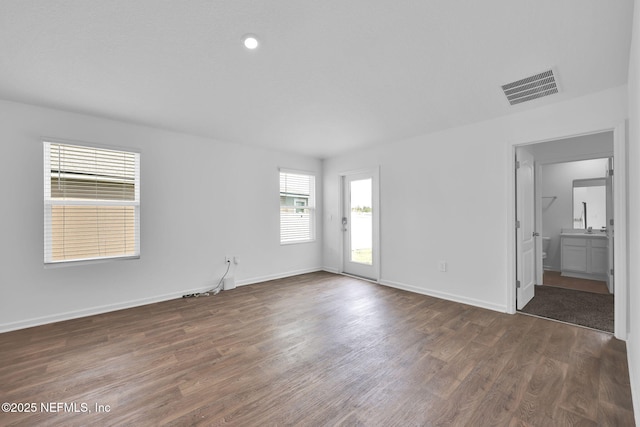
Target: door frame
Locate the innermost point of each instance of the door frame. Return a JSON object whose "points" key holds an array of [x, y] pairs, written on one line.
{"points": [[375, 192], [620, 265]]}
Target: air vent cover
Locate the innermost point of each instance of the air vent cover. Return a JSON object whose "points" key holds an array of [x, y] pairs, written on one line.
{"points": [[530, 88]]}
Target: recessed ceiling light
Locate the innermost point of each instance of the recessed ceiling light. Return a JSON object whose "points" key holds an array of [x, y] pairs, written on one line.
{"points": [[250, 41]]}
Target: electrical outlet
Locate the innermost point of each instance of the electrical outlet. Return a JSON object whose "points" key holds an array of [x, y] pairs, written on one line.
{"points": [[227, 259], [442, 266], [236, 259]]}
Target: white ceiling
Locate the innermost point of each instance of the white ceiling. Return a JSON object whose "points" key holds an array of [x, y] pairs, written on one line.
{"points": [[330, 76]]}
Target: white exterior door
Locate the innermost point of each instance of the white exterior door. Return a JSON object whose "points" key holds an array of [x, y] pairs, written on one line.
{"points": [[360, 225], [525, 234]]}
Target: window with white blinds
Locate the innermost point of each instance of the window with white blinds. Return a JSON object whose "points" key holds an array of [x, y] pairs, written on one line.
{"points": [[91, 203], [297, 207]]}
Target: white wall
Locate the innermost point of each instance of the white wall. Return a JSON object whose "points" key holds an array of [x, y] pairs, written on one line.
{"points": [[557, 180], [201, 200], [581, 147], [633, 342], [445, 196]]}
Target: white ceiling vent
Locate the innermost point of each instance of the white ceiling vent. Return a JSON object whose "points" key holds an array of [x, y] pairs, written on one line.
{"points": [[530, 88]]}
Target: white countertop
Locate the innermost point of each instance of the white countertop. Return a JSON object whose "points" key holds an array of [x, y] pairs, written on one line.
{"points": [[596, 234]]}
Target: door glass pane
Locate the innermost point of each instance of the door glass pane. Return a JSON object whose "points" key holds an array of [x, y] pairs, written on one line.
{"points": [[361, 221]]}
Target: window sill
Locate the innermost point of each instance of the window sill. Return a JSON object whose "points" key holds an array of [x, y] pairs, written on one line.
{"points": [[297, 242], [60, 264]]}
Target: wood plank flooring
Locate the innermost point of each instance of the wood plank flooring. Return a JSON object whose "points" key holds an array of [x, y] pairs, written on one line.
{"points": [[553, 278], [316, 349]]}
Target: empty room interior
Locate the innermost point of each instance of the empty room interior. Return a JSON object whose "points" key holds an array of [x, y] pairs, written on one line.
{"points": [[320, 213]]}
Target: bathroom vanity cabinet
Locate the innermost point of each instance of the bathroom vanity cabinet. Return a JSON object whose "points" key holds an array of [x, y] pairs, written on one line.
{"points": [[584, 255]]}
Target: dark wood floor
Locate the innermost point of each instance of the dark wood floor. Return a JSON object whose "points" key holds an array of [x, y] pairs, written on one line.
{"points": [[553, 278], [317, 349]]}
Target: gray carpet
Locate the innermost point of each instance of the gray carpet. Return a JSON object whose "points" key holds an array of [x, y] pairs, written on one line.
{"points": [[577, 307]]}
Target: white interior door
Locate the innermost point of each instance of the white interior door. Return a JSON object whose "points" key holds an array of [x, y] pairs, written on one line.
{"points": [[525, 234], [538, 221], [610, 224], [359, 225]]}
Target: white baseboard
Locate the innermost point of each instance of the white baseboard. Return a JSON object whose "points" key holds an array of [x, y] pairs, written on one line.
{"points": [[38, 321], [331, 270], [261, 279], [6, 327], [445, 295]]}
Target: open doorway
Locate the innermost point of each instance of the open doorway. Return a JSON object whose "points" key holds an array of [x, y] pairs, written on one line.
{"points": [[565, 230]]}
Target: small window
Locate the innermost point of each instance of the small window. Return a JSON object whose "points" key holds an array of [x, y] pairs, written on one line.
{"points": [[91, 203], [297, 207]]}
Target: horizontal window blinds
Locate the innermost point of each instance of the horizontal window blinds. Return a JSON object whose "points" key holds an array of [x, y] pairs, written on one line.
{"points": [[297, 207], [92, 203]]}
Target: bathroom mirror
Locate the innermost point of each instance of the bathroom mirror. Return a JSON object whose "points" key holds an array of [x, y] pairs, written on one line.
{"points": [[589, 203]]}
